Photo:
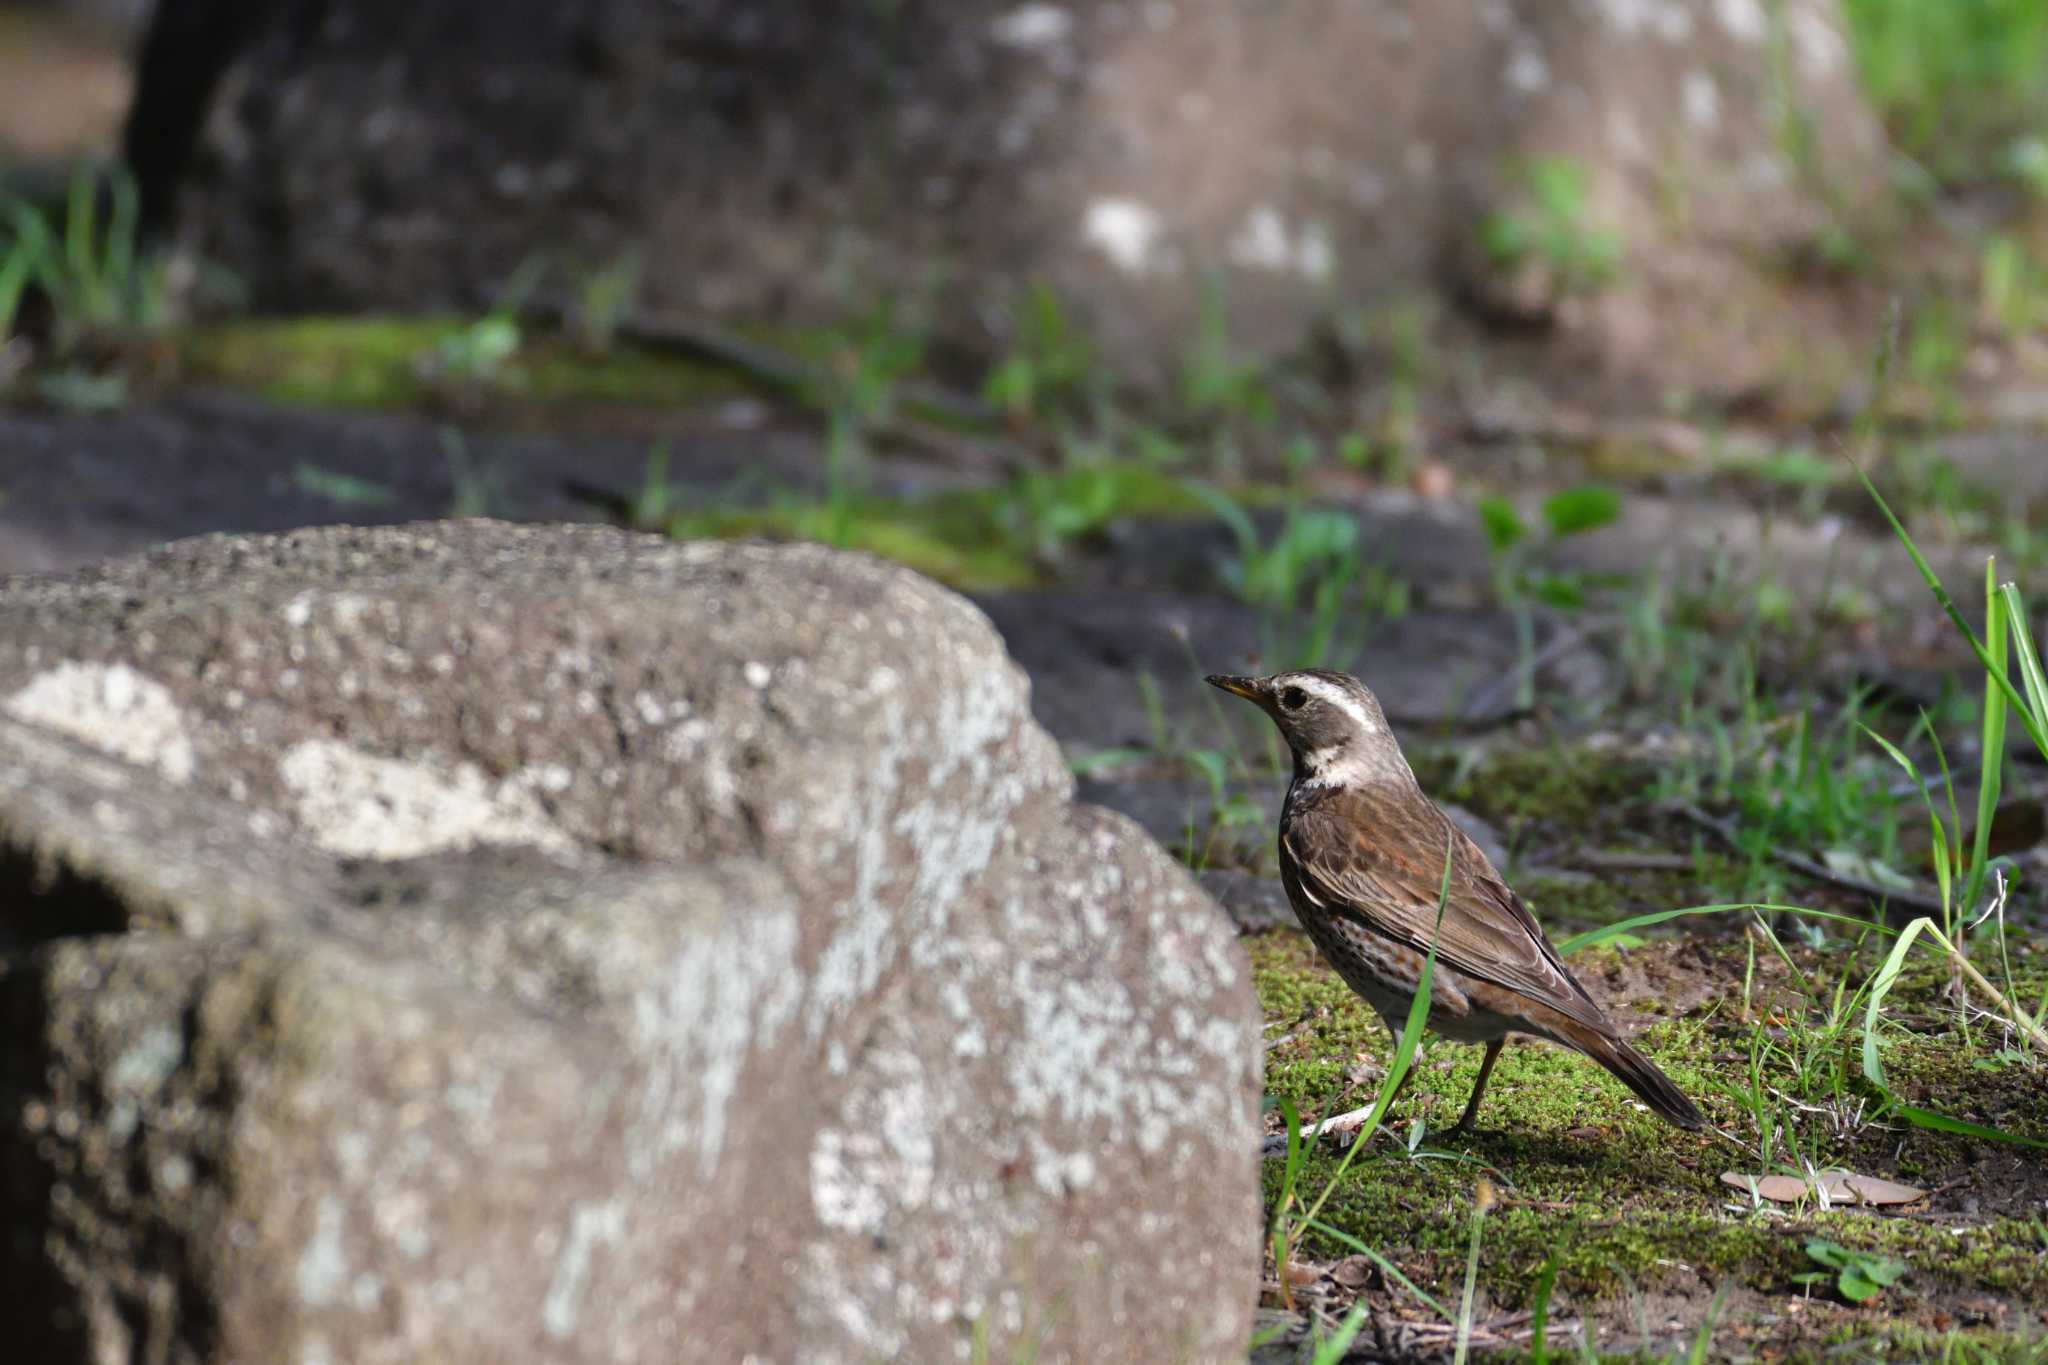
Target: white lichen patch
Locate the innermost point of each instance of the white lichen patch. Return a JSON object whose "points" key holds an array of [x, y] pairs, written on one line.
{"points": [[1701, 99], [323, 1264], [1032, 26], [886, 1159], [590, 1226], [115, 709], [362, 805], [1125, 231], [727, 996], [1821, 50], [1743, 19], [145, 1066], [1264, 242], [1527, 72]]}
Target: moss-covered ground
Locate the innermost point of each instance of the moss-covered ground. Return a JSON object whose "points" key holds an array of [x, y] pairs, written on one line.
{"points": [[1653, 1251]]}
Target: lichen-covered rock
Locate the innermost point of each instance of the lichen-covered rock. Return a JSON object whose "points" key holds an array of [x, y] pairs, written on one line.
{"points": [[1640, 171], [470, 943]]}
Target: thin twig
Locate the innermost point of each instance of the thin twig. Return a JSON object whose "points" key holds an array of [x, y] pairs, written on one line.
{"points": [[1276, 1143], [1496, 693], [1811, 867], [1633, 862]]}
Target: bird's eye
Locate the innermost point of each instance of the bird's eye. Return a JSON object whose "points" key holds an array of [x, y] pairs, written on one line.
{"points": [[1293, 699]]}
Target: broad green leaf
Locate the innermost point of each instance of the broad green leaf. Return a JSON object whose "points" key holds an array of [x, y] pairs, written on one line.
{"points": [[1584, 508], [1502, 524]]}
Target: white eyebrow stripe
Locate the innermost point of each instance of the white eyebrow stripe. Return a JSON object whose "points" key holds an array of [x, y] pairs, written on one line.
{"points": [[1341, 699]]}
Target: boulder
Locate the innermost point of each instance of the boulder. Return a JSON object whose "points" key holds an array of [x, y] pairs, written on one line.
{"points": [[1643, 176], [463, 942]]}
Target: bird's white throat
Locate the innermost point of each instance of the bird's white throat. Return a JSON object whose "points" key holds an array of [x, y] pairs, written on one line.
{"points": [[1338, 765]]}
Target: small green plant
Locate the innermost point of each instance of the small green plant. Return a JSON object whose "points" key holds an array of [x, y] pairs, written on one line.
{"points": [[1050, 367], [2026, 161], [1553, 229], [337, 487], [1306, 580], [478, 487], [651, 509], [1510, 542], [1215, 383], [1954, 82], [856, 374], [1858, 1276], [604, 299], [94, 276], [2012, 287]]}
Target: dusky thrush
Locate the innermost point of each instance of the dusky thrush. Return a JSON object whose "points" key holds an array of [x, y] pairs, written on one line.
{"points": [[1362, 853]]}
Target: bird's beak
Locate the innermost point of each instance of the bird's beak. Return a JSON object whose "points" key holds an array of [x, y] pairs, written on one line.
{"points": [[1248, 688]]}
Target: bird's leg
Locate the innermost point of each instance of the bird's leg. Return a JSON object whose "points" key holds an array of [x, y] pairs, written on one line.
{"points": [[1479, 1086]]}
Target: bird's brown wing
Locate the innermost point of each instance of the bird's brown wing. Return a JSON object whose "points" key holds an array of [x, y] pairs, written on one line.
{"points": [[1376, 856]]}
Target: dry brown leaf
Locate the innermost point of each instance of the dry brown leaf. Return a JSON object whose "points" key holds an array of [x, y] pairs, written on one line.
{"points": [[1301, 1274], [1841, 1187], [1353, 1272]]}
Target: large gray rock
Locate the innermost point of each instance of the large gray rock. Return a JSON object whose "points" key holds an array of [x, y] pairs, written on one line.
{"points": [[468, 943], [796, 159]]}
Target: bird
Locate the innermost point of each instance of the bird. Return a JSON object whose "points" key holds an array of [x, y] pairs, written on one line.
{"points": [[1362, 857]]}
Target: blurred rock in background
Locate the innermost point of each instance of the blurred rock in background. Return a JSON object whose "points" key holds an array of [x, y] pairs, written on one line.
{"points": [[1637, 181]]}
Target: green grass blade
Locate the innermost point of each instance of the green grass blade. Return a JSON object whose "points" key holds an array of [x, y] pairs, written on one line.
{"points": [[15, 268], [80, 228], [2036, 706], [120, 252], [1464, 1346], [1940, 851], [1333, 1350], [1404, 1050], [1873, 1064], [2035, 723], [1539, 1311], [1290, 1173], [1991, 775], [1386, 1267], [1594, 937], [1232, 514]]}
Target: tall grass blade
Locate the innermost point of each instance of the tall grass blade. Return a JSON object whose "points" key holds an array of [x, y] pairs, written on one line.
{"points": [[1539, 1311], [121, 229], [1481, 1202], [1333, 1350], [1386, 1267], [2035, 723], [80, 228], [1594, 937], [2036, 706], [1404, 1050], [1991, 775], [1873, 1064]]}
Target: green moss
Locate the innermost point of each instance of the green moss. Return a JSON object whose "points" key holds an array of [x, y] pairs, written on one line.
{"points": [[1624, 1202], [387, 362], [969, 538], [931, 536], [1566, 785]]}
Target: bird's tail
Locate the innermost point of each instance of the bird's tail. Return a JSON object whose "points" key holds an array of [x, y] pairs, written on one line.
{"points": [[1639, 1074]]}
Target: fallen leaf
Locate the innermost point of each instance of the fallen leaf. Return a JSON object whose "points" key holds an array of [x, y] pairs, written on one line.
{"points": [[1300, 1274], [1841, 1187], [1353, 1272]]}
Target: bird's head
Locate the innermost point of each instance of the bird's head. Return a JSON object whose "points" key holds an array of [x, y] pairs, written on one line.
{"points": [[1331, 721]]}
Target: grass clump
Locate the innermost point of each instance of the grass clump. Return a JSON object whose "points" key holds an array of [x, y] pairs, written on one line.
{"points": [[1959, 83]]}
